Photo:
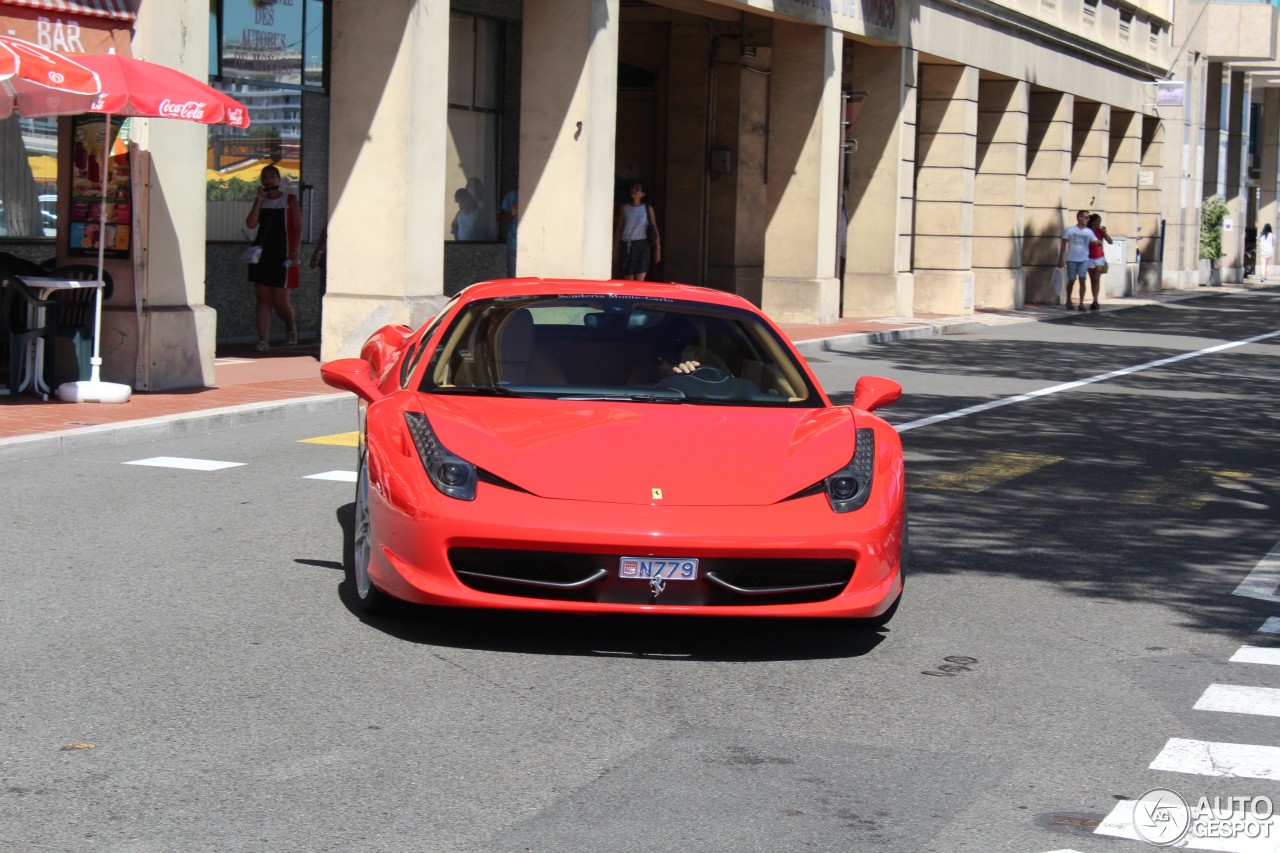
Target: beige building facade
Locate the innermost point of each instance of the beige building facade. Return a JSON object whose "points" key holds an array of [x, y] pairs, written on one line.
{"points": [[952, 141]]}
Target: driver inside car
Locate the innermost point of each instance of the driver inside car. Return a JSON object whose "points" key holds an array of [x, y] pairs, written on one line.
{"points": [[675, 351]]}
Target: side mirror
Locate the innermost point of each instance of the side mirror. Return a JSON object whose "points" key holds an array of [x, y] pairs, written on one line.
{"points": [[874, 392], [354, 375]]}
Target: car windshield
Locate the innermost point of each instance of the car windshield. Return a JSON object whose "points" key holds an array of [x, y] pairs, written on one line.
{"points": [[603, 347]]}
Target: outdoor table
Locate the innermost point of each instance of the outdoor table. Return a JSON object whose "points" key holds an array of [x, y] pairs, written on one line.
{"points": [[35, 354]]}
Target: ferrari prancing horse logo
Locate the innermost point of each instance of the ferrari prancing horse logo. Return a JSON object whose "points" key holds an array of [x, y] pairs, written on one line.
{"points": [[657, 494]]}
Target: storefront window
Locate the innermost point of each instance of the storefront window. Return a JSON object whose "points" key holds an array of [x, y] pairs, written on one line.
{"points": [[475, 102], [28, 178], [265, 54], [236, 155], [277, 42]]}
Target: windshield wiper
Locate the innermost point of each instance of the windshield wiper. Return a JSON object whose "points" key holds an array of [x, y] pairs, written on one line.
{"points": [[669, 396]]}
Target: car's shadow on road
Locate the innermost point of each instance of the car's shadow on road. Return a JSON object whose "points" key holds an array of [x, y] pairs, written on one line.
{"points": [[609, 635]]}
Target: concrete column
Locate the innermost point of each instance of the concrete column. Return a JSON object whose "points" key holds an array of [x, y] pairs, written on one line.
{"points": [[568, 105], [1048, 180], [1216, 101], [387, 157], [1000, 193], [164, 338], [946, 166], [1090, 139], [1150, 181], [1236, 179], [738, 200], [804, 147], [1269, 143], [1121, 216], [686, 150], [878, 280]]}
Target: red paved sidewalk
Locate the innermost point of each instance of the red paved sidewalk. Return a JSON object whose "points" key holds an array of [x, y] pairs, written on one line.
{"points": [[241, 376]]}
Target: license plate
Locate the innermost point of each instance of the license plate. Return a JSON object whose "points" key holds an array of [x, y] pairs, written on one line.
{"points": [[668, 568]]}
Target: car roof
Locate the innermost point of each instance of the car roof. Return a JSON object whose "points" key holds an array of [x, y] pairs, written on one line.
{"points": [[597, 287]]}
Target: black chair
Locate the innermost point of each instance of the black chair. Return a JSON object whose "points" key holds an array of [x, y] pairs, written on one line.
{"points": [[18, 304], [73, 315], [19, 266]]}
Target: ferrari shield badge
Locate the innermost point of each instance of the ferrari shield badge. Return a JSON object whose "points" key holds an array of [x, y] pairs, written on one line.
{"points": [[657, 494]]}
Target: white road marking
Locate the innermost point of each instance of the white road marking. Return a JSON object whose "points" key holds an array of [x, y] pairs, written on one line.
{"points": [[1067, 386], [1256, 654], [1261, 583], [186, 464], [1237, 760], [1271, 626], [1119, 824], [339, 476], [1239, 699]]}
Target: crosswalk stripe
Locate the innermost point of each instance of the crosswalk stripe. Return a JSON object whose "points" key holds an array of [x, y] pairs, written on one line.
{"points": [[1271, 626], [1240, 699], [339, 476], [995, 469], [185, 464], [1261, 583], [1203, 758], [1256, 654]]}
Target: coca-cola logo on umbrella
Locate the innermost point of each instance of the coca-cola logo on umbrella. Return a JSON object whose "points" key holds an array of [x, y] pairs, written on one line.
{"points": [[190, 110]]}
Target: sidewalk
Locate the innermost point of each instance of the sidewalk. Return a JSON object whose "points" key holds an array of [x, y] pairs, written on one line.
{"points": [[283, 383]]}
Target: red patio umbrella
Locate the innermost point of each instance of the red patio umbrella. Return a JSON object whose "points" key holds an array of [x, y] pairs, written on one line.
{"points": [[134, 87], [38, 82]]}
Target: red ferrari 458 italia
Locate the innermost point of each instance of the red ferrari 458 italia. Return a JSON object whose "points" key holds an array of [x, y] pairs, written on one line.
{"points": [[619, 447]]}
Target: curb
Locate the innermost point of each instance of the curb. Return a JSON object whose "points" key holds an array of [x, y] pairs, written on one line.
{"points": [[20, 448]]}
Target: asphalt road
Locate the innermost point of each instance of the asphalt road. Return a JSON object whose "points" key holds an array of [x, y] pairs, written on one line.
{"points": [[183, 670]]}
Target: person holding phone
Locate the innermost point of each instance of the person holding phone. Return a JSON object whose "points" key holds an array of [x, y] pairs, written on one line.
{"points": [[278, 218]]}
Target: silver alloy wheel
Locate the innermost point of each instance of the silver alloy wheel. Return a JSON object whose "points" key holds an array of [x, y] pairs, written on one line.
{"points": [[360, 539]]}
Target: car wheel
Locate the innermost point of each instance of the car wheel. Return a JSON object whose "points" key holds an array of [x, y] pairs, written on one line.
{"points": [[369, 598]]}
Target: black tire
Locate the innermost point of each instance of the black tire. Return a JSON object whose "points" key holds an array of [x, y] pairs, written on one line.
{"points": [[368, 597]]}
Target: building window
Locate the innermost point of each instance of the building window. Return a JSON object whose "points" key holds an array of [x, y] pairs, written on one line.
{"points": [[28, 178], [278, 42], [265, 54], [475, 106]]}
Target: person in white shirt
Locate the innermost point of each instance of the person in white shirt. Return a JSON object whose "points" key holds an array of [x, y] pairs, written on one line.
{"points": [[1266, 250], [1074, 254]]}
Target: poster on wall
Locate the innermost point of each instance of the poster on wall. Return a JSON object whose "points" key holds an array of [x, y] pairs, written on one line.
{"points": [[92, 155]]}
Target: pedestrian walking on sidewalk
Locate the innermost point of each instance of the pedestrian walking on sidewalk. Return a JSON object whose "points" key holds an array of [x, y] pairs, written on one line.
{"points": [[1074, 254], [1097, 259], [1266, 250], [635, 238], [278, 218]]}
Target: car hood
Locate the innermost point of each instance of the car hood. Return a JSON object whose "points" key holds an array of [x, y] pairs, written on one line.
{"points": [[646, 453]]}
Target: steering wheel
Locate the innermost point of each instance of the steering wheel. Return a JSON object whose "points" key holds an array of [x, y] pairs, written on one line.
{"points": [[709, 373]]}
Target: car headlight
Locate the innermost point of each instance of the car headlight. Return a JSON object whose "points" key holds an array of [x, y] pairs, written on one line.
{"points": [[849, 488], [452, 475]]}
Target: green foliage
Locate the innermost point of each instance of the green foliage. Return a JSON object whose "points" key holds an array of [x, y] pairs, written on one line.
{"points": [[231, 190], [1211, 216]]}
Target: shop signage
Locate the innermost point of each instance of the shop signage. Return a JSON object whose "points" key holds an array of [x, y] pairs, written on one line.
{"points": [[92, 153]]}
